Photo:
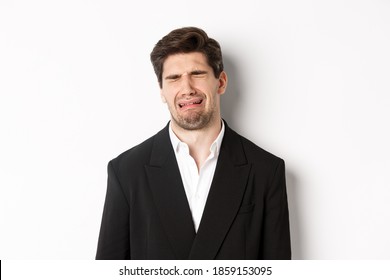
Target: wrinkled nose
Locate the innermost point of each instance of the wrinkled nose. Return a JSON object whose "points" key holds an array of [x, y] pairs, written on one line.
{"points": [[187, 87]]}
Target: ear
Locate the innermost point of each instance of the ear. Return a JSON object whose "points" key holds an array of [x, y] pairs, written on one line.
{"points": [[223, 80]]}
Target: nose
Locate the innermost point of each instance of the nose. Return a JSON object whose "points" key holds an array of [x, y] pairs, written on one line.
{"points": [[186, 85]]}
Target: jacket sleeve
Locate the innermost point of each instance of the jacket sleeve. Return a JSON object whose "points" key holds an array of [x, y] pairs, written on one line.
{"points": [[114, 239], [276, 242]]}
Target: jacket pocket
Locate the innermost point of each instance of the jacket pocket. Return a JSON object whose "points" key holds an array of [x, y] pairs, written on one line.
{"points": [[246, 208]]}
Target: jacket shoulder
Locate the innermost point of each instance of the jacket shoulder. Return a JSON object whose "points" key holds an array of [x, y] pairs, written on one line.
{"points": [[255, 153], [138, 156]]}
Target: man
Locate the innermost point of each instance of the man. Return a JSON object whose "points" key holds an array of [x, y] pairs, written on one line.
{"points": [[196, 189]]}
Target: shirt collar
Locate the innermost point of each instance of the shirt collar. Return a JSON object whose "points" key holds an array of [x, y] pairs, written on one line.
{"points": [[214, 148]]}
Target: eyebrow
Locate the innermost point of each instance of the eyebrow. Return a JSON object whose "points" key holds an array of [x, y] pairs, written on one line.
{"points": [[176, 76]]}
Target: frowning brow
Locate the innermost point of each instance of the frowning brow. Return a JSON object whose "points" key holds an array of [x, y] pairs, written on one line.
{"points": [[192, 73]]}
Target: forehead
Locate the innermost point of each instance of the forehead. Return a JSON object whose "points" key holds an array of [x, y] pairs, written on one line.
{"points": [[182, 62]]}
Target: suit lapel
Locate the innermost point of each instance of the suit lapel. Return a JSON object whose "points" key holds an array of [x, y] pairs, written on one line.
{"points": [[224, 199], [169, 195]]}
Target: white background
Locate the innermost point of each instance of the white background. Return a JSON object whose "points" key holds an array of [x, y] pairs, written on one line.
{"points": [[309, 81]]}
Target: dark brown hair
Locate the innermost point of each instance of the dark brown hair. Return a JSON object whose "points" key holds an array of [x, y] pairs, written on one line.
{"points": [[186, 40]]}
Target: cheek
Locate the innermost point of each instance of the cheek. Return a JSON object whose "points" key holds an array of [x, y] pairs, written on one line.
{"points": [[169, 100], [166, 95]]}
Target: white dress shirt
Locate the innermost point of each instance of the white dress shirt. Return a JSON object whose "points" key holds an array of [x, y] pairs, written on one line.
{"points": [[196, 184]]}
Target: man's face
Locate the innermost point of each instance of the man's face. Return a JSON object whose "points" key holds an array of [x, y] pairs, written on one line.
{"points": [[191, 90]]}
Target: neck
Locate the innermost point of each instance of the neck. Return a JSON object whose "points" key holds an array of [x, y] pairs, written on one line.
{"points": [[199, 141]]}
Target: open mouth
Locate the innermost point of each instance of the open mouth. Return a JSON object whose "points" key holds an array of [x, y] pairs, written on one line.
{"points": [[191, 103]]}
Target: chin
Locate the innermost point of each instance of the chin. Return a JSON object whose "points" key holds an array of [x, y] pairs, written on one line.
{"points": [[193, 122]]}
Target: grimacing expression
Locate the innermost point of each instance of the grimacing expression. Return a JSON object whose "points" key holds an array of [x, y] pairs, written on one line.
{"points": [[191, 90]]}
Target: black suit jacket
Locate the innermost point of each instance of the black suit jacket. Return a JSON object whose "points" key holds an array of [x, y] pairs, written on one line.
{"points": [[146, 214]]}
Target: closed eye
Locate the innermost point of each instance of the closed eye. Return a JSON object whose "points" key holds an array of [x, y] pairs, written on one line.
{"points": [[172, 77], [199, 73], [195, 73]]}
